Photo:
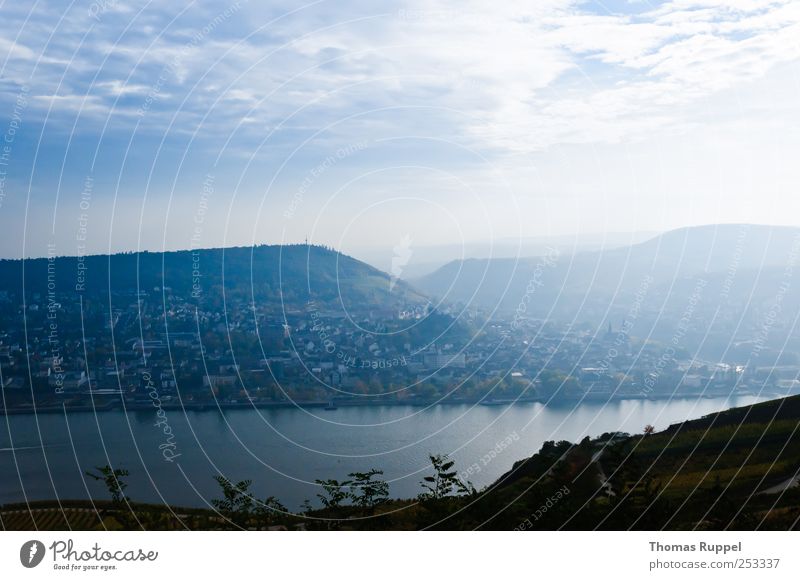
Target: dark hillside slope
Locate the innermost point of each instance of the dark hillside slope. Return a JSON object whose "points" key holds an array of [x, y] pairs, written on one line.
{"points": [[297, 273]]}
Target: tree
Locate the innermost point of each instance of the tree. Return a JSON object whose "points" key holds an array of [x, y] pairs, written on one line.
{"points": [[335, 496], [269, 510], [551, 384], [335, 492], [113, 481], [649, 429], [426, 391], [241, 508], [121, 506], [366, 492], [237, 502], [443, 482]]}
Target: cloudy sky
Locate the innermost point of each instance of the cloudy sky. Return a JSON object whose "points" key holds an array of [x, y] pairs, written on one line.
{"points": [[147, 125]]}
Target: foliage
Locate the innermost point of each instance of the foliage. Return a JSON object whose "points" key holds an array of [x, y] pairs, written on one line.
{"points": [[237, 502], [444, 482], [336, 493], [112, 478], [269, 511], [367, 492]]}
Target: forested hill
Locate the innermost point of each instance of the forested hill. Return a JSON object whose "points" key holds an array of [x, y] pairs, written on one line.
{"points": [[291, 272]]}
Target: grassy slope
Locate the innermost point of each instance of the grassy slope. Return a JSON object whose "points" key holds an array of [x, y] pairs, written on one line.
{"points": [[704, 474]]}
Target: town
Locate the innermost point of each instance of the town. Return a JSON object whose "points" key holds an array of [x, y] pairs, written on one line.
{"points": [[77, 350]]}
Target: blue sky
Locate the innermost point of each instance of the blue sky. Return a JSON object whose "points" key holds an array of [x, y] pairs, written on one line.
{"points": [[358, 124]]}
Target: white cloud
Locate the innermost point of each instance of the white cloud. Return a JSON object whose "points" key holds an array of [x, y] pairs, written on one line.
{"points": [[516, 82], [523, 76]]}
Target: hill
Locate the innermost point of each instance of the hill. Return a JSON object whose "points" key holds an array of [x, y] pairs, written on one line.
{"points": [[722, 275], [737, 469], [292, 274], [669, 257]]}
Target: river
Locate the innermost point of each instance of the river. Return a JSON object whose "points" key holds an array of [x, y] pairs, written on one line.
{"points": [[173, 458]]}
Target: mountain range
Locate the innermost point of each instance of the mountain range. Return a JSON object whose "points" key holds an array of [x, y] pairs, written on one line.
{"points": [[740, 270], [739, 261]]}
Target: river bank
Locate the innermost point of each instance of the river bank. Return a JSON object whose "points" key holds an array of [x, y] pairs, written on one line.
{"points": [[336, 403]]}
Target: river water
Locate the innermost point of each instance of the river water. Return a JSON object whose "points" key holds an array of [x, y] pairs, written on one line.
{"points": [[284, 450]]}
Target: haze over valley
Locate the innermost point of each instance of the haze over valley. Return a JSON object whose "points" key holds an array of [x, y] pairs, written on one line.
{"points": [[428, 265]]}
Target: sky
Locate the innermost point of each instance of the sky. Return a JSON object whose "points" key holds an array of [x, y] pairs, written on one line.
{"points": [[130, 125]]}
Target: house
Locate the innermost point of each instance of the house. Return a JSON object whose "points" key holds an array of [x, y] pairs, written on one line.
{"points": [[216, 381]]}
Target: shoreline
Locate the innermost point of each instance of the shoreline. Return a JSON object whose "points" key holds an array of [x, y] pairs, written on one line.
{"points": [[325, 405]]}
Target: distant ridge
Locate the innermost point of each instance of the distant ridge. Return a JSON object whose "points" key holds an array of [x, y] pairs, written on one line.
{"points": [[670, 257]]}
